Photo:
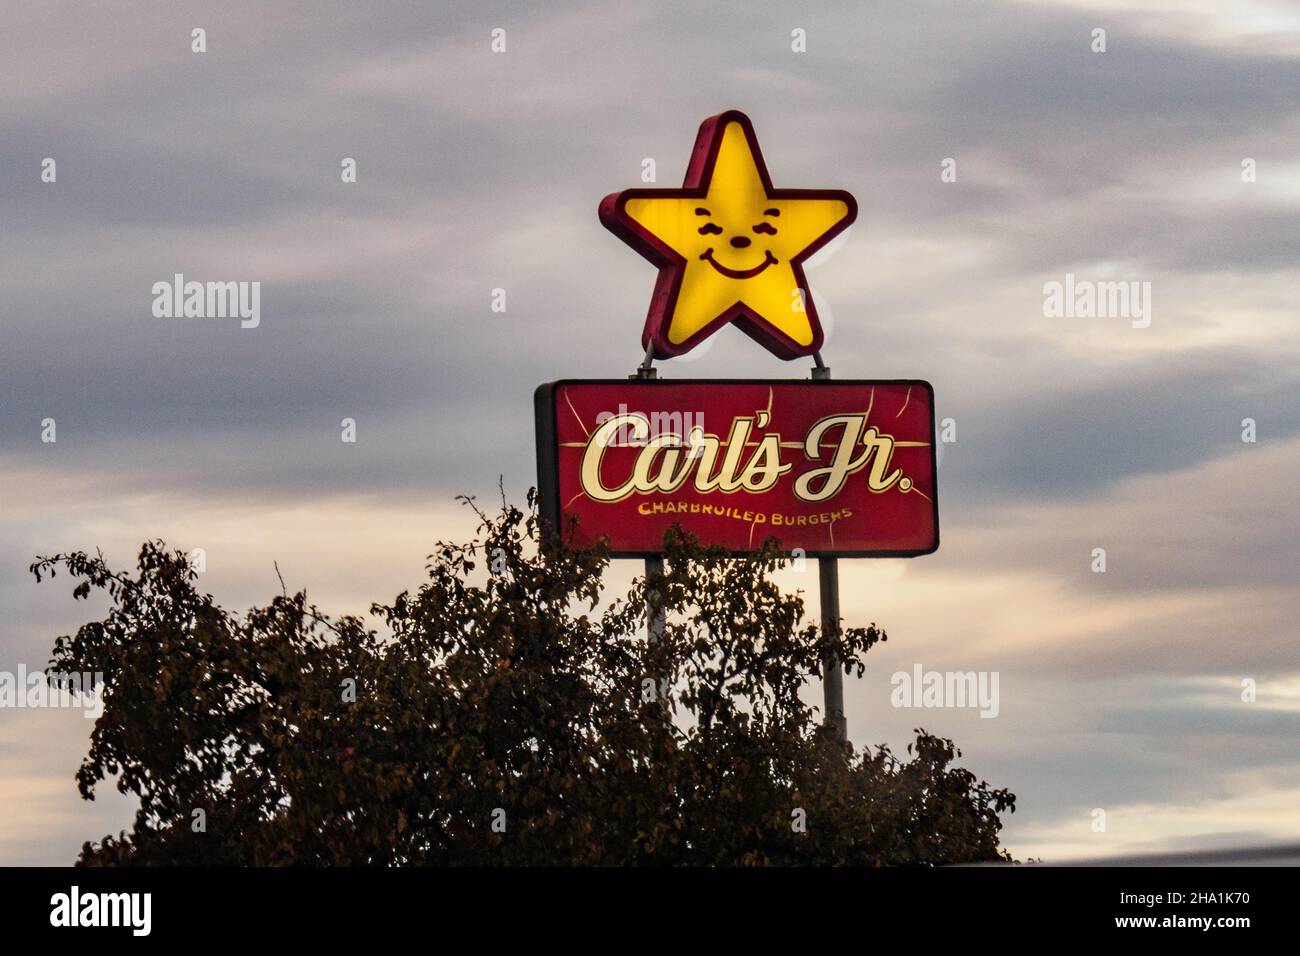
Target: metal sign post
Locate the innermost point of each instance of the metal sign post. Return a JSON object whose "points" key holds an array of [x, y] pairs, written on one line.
{"points": [[656, 616], [828, 570], [828, 574]]}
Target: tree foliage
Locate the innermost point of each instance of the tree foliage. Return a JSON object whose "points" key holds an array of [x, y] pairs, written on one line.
{"points": [[505, 713]]}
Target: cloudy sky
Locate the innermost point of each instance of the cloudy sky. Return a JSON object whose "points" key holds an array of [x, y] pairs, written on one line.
{"points": [[479, 170]]}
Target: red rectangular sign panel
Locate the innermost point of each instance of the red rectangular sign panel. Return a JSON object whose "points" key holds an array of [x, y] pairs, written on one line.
{"points": [[827, 467]]}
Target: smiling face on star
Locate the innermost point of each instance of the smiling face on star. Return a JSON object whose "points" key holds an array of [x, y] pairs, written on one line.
{"points": [[738, 262], [731, 245]]}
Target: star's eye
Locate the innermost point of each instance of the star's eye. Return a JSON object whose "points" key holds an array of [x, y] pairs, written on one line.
{"points": [[708, 228], [766, 227]]}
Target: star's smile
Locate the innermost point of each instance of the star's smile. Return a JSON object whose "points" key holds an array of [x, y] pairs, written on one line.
{"points": [[768, 260]]}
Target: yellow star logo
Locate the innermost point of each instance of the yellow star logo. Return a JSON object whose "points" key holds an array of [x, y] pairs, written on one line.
{"points": [[729, 247]]}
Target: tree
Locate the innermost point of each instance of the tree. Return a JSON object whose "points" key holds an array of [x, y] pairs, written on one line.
{"points": [[494, 717]]}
